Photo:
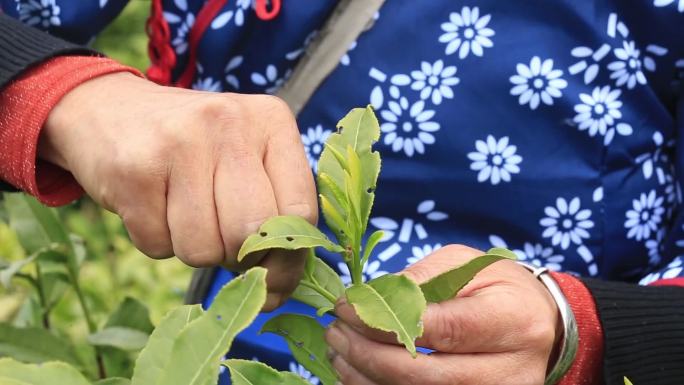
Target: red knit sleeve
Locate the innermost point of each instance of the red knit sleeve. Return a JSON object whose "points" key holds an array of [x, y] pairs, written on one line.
{"points": [[24, 106], [586, 370]]}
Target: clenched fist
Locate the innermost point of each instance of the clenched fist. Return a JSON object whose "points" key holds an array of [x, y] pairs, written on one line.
{"points": [[191, 173]]}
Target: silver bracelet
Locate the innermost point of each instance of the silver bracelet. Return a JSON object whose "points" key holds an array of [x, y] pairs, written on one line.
{"points": [[568, 350]]}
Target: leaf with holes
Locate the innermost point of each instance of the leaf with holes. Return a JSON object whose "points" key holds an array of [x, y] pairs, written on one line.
{"points": [[391, 303], [199, 348], [447, 285], [318, 275], [306, 339], [358, 130], [152, 360], [286, 232], [243, 372]]}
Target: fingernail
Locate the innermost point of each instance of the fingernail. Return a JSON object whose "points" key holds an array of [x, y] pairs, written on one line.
{"points": [[337, 340]]}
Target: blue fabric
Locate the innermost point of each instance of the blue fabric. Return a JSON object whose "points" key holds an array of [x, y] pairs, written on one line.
{"points": [[548, 127]]}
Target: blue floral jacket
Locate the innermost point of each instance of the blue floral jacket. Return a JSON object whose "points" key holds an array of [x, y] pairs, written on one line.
{"points": [[552, 128]]}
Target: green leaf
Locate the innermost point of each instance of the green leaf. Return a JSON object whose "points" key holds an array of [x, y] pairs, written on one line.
{"points": [[113, 381], [286, 232], [199, 348], [243, 372], [306, 339], [132, 314], [119, 337], [627, 381], [500, 251], [55, 284], [359, 129], [12, 269], [154, 357], [391, 303], [372, 241], [446, 285], [334, 219], [50, 373], [52, 252], [35, 345], [38, 227], [318, 273]]}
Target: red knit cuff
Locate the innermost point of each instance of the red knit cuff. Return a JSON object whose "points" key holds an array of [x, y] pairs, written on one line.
{"points": [[587, 368], [24, 106], [679, 281]]}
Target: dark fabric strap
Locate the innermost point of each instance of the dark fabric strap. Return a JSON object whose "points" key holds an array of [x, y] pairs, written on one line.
{"points": [[643, 330], [22, 46]]}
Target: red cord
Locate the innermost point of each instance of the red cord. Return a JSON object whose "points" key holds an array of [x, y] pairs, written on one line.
{"points": [[162, 56], [263, 13], [204, 18]]}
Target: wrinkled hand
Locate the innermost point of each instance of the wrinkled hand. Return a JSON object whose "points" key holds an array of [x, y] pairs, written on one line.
{"points": [[500, 330], [191, 173]]}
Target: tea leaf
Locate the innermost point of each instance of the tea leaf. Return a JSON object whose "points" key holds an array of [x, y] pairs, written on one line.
{"points": [[153, 358], [446, 285], [359, 129], [38, 227], [334, 219], [286, 232], [199, 348], [34, 345], [133, 314], [50, 373], [391, 303], [243, 372], [306, 339], [114, 381], [372, 241], [119, 337], [627, 381], [500, 251], [318, 273]]}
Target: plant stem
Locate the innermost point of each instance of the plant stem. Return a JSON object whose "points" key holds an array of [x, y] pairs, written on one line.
{"points": [[357, 267], [320, 290], [41, 297], [92, 328]]}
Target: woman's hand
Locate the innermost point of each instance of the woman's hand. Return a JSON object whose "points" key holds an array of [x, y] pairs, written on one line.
{"points": [[191, 173], [500, 330]]}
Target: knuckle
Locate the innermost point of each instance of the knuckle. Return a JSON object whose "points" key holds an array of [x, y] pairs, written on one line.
{"points": [[201, 258]]}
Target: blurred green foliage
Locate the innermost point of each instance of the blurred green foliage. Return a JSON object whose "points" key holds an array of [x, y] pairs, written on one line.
{"points": [[125, 39]]}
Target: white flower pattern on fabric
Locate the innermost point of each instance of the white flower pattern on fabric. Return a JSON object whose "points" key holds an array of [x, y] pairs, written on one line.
{"points": [[645, 216], [301, 371], [231, 78], [665, 3], [270, 80], [655, 248], [585, 54], [180, 42], [467, 32], [673, 270], [345, 60], [627, 69], [418, 253], [39, 13], [313, 139], [371, 270], [566, 223], [540, 256], [207, 84], [238, 15], [407, 127], [538, 82], [599, 112], [495, 160], [433, 81]]}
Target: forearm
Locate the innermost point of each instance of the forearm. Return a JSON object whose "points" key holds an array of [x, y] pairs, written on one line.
{"points": [[643, 329]]}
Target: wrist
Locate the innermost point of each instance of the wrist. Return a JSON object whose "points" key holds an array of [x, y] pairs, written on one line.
{"points": [[77, 108]]}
